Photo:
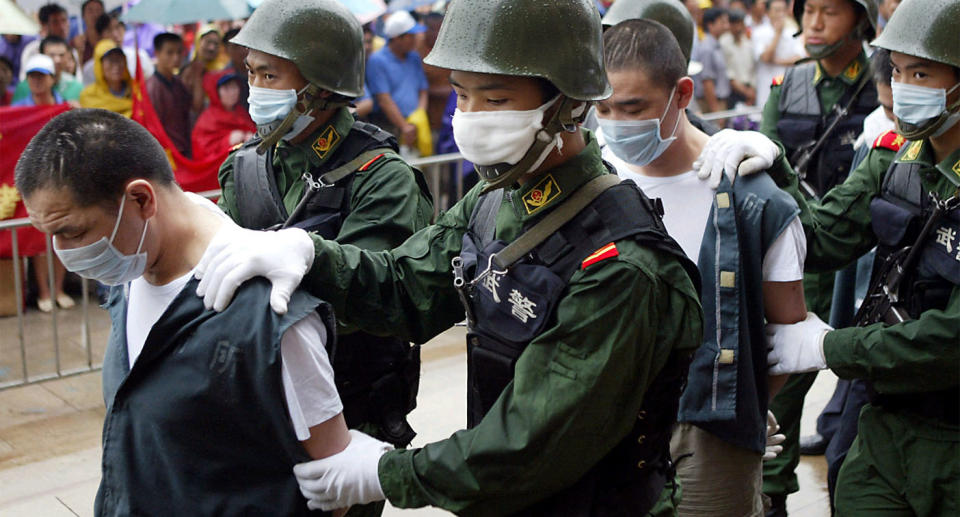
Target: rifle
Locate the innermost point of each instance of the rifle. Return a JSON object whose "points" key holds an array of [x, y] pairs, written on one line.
{"points": [[882, 302], [801, 158]]}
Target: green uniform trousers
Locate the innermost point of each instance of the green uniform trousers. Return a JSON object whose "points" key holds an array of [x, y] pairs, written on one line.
{"points": [[900, 465], [779, 476]]}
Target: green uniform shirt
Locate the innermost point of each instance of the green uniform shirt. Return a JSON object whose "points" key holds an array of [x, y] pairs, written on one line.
{"points": [[914, 356], [386, 202], [577, 387], [829, 90]]}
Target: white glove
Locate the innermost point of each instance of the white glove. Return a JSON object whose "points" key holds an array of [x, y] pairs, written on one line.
{"points": [[346, 478], [236, 255], [735, 152], [797, 347], [774, 439]]}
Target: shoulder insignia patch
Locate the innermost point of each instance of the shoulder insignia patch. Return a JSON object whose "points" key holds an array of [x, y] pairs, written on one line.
{"points": [[326, 141], [608, 251], [541, 195], [956, 168], [889, 139], [371, 162], [777, 81]]}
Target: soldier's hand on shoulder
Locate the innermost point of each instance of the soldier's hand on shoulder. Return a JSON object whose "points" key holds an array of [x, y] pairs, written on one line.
{"points": [[236, 255], [735, 153]]}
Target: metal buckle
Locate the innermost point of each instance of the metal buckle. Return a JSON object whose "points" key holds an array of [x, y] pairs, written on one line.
{"points": [[488, 271]]}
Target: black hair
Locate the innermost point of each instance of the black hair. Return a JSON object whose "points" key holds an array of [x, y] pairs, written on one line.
{"points": [[93, 153], [736, 15], [52, 40], [230, 34], [83, 6], [711, 15], [103, 22], [882, 67], [768, 2], [49, 10], [547, 89], [165, 37], [7, 61], [647, 45]]}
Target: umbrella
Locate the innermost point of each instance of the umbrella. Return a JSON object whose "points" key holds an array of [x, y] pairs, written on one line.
{"points": [[365, 10], [169, 12], [14, 21]]}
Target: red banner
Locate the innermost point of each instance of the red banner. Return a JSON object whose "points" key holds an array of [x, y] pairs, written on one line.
{"points": [[17, 127], [193, 176]]}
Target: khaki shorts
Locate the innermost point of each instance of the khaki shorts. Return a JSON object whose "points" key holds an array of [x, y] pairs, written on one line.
{"points": [[719, 479]]}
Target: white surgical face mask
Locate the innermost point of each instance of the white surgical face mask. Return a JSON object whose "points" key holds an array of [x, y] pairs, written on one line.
{"points": [[920, 105], [268, 105], [638, 142], [102, 262], [496, 137]]}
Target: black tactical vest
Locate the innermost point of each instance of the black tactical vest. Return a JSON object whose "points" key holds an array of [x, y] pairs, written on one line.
{"points": [[802, 122], [377, 377], [506, 310], [897, 217]]}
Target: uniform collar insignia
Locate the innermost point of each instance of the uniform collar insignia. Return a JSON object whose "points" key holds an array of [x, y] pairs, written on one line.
{"points": [[541, 195], [912, 152], [325, 142]]}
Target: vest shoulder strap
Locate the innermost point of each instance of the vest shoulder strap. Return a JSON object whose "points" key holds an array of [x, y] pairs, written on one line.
{"points": [[798, 94], [560, 216], [621, 212], [259, 204], [483, 219]]}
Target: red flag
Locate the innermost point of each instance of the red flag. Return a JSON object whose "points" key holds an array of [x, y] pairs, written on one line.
{"points": [[192, 175], [17, 126]]}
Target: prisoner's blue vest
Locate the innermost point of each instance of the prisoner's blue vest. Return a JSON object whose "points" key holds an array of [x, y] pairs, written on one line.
{"points": [[199, 425], [507, 310], [802, 122], [726, 391]]}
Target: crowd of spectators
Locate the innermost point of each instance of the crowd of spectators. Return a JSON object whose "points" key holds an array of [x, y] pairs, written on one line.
{"points": [[196, 78]]}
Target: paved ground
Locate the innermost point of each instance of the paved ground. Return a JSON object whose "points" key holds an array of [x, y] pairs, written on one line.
{"points": [[50, 432]]}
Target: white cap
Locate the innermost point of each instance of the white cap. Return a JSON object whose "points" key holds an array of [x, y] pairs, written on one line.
{"points": [[40, 63], [400, 23]]}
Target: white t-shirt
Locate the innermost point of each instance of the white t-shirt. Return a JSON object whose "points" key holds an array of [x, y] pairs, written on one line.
{"points": [[875, 124], [687, 202], [307, 374], [788, 46]]}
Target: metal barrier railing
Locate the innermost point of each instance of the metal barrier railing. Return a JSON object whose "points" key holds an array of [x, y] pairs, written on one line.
{"points": [[446, 185]]}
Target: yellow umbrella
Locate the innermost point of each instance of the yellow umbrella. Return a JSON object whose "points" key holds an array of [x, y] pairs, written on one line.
{"points": [[14, 21]]}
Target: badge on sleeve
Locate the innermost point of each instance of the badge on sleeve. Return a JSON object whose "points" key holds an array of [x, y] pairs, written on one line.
{"points": [[608, 251]]}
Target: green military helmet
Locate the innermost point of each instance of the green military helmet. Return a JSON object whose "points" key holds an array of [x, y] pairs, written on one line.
{"points": [[560, 41], [924, 28], [870, 6], [321, 37], [671, 13]]}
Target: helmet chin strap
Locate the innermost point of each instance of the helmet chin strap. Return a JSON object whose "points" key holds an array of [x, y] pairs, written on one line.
{"points": [[563, 119], [818, 52], [298, 119], [933, 127]]}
